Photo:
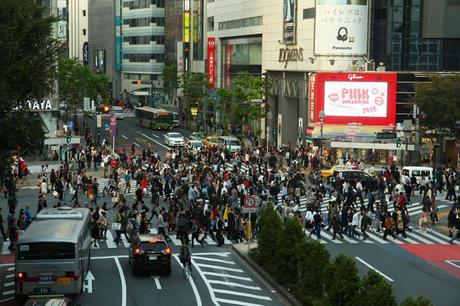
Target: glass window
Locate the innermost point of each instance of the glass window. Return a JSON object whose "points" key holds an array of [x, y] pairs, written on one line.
{"points": [[397, 14], [46, 250]]}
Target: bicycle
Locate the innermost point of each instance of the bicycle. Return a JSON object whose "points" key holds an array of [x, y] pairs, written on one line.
{"points": [[187, 269]]}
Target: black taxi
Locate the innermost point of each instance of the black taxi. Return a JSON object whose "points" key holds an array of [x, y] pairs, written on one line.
{"points": [[150, 253]]}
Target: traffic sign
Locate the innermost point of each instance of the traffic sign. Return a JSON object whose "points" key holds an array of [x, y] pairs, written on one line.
{"points": [[86, 105], [249, 202], [99, 120], [386, 135], [70, 124], [106, 127]]}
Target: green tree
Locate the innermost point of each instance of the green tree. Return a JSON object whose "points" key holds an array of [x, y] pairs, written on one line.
{"points": [[77, 81], [170, 79], [270, 228], [375, 291], [193, 88], [287, 264], [28, 71], [313, 261], [420, 301], [342, 282], [440, 102], [241, 103]]}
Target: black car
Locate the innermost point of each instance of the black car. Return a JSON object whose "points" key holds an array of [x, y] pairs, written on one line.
{"points": [[150, 253], [367, 180]]}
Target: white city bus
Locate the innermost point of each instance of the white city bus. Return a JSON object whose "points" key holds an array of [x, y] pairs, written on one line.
{"points": [[53, 254]]}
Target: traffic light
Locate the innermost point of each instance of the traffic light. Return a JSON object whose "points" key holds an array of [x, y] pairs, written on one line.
{"points": [[106, 108], [138, 82], [398, 143], [69, 135]]}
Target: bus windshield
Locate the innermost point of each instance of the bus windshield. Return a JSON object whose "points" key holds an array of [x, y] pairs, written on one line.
{"points": [[46, 250]]}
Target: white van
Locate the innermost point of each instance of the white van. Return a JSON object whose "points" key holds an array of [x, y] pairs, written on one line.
{"points": [[418, 172], [230, 142], [118, 112]]}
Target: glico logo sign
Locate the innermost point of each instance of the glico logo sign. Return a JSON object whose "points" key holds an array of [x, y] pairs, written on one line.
{"points": [[353, 76]]}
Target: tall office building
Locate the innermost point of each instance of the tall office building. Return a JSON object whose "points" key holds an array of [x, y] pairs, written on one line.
{"points": [[143, 51], [416, 35], [78, 30]]}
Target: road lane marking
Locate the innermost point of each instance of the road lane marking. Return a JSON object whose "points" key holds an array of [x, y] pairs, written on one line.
{"points": [[232, 302], [192, 283], [222, 254], [227, 276], [157, 282], [8, 265], [110, 257], [5, 250], [214, 260], [136, 144], [8, 299], [9, 284], [452, 262], [123, 282], [151, 139], [124, 137], [231, 284], [109, 241], [375, 237], [432, 237], [125, 241], [249, 295], [414, 235], [206, 282], [371, 267], [155, 136], [219, 268], [10, 276]]}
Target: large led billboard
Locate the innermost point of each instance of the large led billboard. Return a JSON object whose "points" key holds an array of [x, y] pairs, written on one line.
{"points": [[355, 98]]}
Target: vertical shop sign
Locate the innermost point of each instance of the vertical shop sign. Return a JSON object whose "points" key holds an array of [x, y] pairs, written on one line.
{"points": [[312, 99], [228, 64], [211, 63]]}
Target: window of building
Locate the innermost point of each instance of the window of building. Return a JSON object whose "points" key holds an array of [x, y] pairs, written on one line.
{"points": [[210, 23], [144, 22], [240, 23], [309, 13], [84, 13], [138, 4], [144, 58], [84, 32], [144, 40]]}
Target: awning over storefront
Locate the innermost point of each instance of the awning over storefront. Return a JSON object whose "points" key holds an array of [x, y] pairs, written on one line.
{"points": [[367, 145]]}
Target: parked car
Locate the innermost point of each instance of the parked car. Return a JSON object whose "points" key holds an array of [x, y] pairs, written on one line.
{"points": [[174, 139], [49, 302], [150, 253]]}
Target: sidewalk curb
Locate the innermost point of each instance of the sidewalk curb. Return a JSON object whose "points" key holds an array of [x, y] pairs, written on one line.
{"points": [[268, 278]]}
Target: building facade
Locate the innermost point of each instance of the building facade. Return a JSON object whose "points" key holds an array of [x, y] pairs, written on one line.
{"points": [[104, 42], [143, 50], [78, 30]]}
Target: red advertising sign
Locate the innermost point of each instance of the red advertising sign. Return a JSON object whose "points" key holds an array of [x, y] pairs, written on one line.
{"points": [[312, 91], [360, 98], [211, 62], [228, 64]]}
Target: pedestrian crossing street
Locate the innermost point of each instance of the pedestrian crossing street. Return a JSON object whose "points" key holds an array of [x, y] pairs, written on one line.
{"points": [[416, 236], [228, 284], [414, 209]]}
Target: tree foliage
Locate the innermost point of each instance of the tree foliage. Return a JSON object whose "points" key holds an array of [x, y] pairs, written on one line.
{"points": [[170, 80], [193, 88], [270, 227], [375, 291], [440, 102], [420, 301], [241, 102], [342, 283], [287, 261], [28, 60], [77, 81], [314, 259]]}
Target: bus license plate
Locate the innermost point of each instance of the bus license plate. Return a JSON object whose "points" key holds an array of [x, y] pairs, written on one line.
{"points": [[49, 277], [42, 290], [153, 257]]}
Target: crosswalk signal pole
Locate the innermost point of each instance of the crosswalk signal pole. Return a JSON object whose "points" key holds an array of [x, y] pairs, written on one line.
{"points": [[249, 232]]}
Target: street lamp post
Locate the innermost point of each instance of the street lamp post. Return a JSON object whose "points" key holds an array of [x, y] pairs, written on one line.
{"points": [[321, 121]]}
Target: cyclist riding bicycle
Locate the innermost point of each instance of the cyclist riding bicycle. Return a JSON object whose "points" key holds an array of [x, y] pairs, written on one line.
{"points": [[185, 255]]}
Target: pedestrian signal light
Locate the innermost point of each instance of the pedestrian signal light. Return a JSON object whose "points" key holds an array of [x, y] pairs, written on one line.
{"points": [[69, 138], [398, 143], [138, 82]]}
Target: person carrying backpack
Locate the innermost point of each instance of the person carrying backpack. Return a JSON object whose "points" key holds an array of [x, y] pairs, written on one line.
{"points": [[317, 221]]}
